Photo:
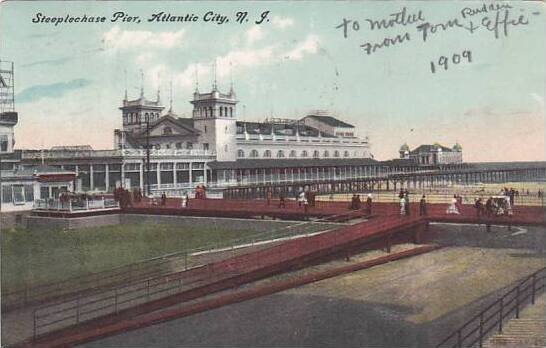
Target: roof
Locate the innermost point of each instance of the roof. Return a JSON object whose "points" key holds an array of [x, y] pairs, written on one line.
{"points": [[185, 123], [429, 148], [291, 163], [331, 121]]}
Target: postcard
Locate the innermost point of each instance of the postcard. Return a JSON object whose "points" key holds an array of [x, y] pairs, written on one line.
{"points": [[272, 173]]}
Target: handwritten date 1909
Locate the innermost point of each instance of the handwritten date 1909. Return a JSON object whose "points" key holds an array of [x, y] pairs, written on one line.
{"points": [[456, 58]]}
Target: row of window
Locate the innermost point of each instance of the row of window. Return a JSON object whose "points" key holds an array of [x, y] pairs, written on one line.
{"points": [[179, 145], [293, 154], [17, 194], [223, 111], [136, 118]]}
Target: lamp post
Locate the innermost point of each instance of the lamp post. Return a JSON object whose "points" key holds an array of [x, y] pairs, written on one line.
{"points": [[147, 156]]}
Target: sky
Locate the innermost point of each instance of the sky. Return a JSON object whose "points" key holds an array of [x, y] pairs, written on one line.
{"points": [[71, 77]]}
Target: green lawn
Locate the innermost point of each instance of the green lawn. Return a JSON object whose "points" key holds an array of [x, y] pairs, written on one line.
{"points": [[36, 257], [33, 257]]}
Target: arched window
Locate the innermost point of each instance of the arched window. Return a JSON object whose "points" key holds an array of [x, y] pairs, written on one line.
{"points": [[326, 154], [231, 112], [267, 153], [304, 153], [280, 154], [240, 153], [346, 154], [254, 153], [210, 112], [292, 153], [221, 110], [336, 153], [315, 154], [167, 131], [146, 117]]}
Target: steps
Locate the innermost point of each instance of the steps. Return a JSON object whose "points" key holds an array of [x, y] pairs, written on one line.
{"points": [[528, 331]]}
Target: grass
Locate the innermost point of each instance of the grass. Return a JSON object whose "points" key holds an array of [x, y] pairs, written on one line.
{"points": [[31, 257]]}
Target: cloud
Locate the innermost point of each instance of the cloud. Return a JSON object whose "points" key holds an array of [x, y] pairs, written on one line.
{"points": [[282, 23], [54, 90], [57, 61], [309, 46], [254, 34], [123, 39]]}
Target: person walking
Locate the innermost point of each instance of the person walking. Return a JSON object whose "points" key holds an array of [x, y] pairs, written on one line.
{"points": [[407, 203], [369, 204], [269, 196], [452, 209], [402, 206], [423, 206], [282, 203], [478, 205]]}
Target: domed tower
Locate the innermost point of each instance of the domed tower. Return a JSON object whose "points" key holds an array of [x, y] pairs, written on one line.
{"points": [[457, 147], [214, 115], [404, 151]]}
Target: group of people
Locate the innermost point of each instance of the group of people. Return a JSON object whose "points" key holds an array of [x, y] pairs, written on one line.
{"points": [[356, 203], [494, 206]]}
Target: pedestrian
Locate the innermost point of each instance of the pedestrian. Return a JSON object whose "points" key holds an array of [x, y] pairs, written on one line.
{"points": [[269, 196], [305, 205], [185, 199], [452, 209], [479, 207], [402, 206], [489, 207], [423, 206], [407, 203], [369, 204], [282, 203], [163, 199], [301, 198]]}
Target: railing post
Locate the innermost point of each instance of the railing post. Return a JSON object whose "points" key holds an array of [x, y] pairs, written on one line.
{"points": [[459, 339], [481, 331], [78, 309], [534, 287], [517, 302], [501, 313], [34, 333], [116, 300]]}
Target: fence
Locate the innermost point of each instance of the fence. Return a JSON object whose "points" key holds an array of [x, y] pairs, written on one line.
{"points": [[218, 274], [474, 332]]}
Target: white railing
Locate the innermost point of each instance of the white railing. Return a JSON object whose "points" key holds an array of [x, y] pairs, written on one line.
{"points": [[75, 204], [48, 154]]}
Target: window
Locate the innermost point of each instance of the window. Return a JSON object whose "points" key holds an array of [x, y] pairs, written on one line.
{"points": [[292, 153], [167, 131], [230, 112], [178, 145], [18, 195], [221, 111], [267, 153], [205, 146], [3, 143], [336, 153], [157, 147], [205, 129], [6, 194], [315, 154], [29, 193], [166, 166], [167, 146], [304, 153], [346, 154], [226, 148], [189, 145], [326, 154], [254, 153], [280, 154], [240, 153]]}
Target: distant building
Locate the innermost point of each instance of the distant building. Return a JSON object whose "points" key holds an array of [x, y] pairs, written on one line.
{"points": [[21, 186], [435, 154]]}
